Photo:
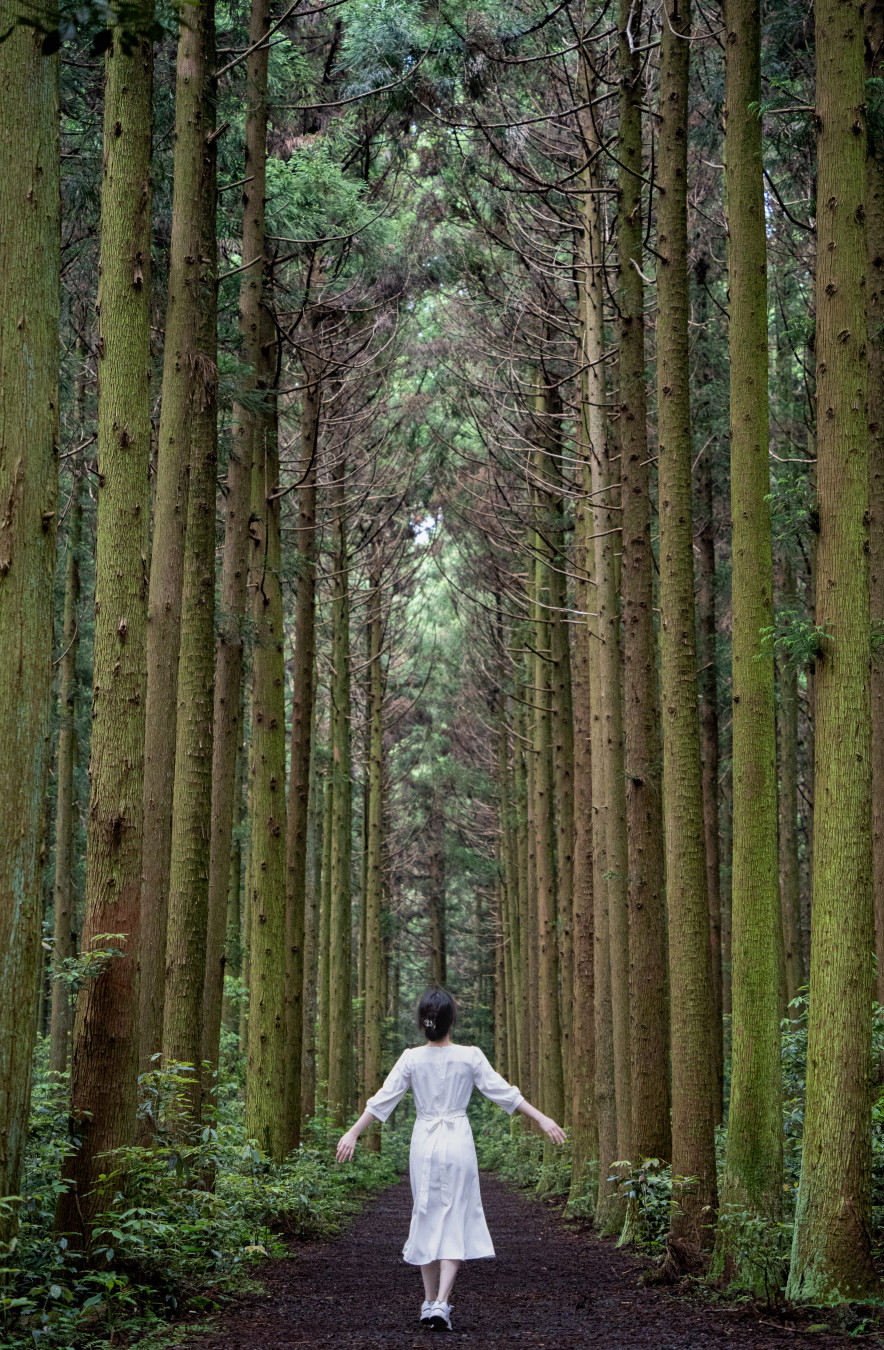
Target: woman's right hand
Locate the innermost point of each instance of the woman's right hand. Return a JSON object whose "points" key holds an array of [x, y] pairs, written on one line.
{"points": [[346, 1146], [552, 1130]]}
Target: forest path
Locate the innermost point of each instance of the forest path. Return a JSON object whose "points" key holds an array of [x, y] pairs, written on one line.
{"points": [[550, 1287]]}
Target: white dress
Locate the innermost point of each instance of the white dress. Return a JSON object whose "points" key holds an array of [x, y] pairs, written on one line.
{"points": [[447, 1221]]}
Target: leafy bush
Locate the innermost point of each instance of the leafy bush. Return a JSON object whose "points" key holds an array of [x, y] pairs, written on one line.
{"points": [[187, 1222]]}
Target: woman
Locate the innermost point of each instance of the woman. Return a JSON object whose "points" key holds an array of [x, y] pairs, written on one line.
{"points": [[447, 1222]]}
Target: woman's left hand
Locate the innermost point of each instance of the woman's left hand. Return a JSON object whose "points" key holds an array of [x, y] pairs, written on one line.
{"points": [[346, 1146]]}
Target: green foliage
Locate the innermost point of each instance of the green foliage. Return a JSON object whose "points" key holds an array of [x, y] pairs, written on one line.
{"points": [[72, 971], [647, 1188], [797, 640], [760, 1247], [190, 1217]]}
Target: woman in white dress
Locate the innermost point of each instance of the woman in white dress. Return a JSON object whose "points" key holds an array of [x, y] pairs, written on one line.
{"points": [[447, 1223]]}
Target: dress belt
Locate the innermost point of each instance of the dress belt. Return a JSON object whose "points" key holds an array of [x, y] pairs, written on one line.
{"points": [[434, 1123]]}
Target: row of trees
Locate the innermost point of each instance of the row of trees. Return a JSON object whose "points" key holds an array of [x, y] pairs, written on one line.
{"points": [[462, 666]]}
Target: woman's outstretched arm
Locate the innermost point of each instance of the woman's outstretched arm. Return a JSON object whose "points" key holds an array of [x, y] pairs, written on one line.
{"points": [[378, 1107], [546, 1123]]}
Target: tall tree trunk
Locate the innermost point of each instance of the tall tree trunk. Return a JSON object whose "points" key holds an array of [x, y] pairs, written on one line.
{"points": [[438, 972], [831, 1260], [170, 519], [648, 1038], [609, 771], [193, 948], [594, 788], [790, 885], [693, 1138], [29, 429], [552, 1087], [340, 906], [874, 34], [510, 934], [562, 728], [266, 1071], [322, 1048], [753, 1177], [707, 680], [298, 841], [527, 948], [374, 872], [65, 813], [311, 939], [584, 1130], [104, 1066], [228, 703], [231, 956]]}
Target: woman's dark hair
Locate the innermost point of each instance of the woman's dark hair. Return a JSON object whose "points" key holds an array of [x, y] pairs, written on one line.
{"points": [[436, 1014]]}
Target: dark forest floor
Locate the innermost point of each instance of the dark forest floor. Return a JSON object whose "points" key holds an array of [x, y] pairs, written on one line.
{"points": [[551, 1286]]}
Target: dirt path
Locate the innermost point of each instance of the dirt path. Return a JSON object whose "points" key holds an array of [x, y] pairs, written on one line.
{"points": [[549, 1287]]}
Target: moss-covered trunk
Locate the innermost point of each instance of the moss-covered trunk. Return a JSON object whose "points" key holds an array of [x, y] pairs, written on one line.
{"points": [[753, 1177], [649, 1040], [227, 716], [179, 393], [193, 947], [831, 1260], [29, 311], [874, 46], [707, 681], [693, 1141], [267, 1049], [104, 1062]]}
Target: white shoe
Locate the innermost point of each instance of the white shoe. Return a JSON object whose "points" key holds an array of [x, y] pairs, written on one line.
{"points": [[426, 1312], [440, 1316]]}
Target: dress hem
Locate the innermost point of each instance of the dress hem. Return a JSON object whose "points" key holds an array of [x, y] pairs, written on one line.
{"points": [[486, 1256]]}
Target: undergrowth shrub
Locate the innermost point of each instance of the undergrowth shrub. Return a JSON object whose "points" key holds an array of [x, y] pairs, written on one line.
{"points": [[187, 1222]]}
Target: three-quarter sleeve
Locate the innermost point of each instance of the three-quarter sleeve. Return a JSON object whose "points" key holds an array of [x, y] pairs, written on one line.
{"points": [[393, 1089], [493, 1086]]}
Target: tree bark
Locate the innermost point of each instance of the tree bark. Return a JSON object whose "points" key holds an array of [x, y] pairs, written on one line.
{"points": [[29, 430], [707, 681], [753, 1176], [311, 940], [298, 840], [340, 905], [64, 944], [693, 1139], [552, 1088], [584, 1129], [194, 948], [104, 1066], [609, 769], [227, 732], [267, 1049], [831, 1260], [648, 1036], [790, 885], [874, 46], [438, 971], [322, 1048], [180, 356], [374, 872]]}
